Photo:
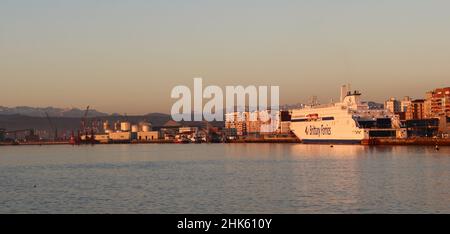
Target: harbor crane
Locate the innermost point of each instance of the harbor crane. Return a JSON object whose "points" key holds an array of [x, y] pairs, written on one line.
{"points": [[52, 126], [84, 120], [88, 131]]}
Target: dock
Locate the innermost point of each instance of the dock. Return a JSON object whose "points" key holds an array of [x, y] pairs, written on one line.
{"points": [[373, 141]]}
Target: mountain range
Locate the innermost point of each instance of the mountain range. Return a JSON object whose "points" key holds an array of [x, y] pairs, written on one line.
{"points": [[51, 111]]}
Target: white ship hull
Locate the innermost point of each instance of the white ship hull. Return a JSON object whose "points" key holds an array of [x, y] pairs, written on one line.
{"points": [[329, 125], [328, 132], [335, 122]]}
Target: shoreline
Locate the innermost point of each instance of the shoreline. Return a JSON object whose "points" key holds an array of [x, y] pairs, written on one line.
{"points": [[371, 142]]}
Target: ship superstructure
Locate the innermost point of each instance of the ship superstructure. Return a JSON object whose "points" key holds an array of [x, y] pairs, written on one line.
{"points": [[347, 121]]}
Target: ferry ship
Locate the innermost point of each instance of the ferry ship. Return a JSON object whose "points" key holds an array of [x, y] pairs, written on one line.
{"points": [[349, 121]]}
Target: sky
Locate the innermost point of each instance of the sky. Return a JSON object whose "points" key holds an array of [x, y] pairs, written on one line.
{"points": [[126, 56]]}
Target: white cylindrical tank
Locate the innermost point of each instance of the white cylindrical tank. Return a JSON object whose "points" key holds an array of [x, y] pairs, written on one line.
{"points": [[106, 126], [134, 128], [117, 126], [145, 127], [125, 126]]}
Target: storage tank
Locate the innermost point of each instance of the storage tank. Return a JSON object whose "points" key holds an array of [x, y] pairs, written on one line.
{"points": [[117, 126], [146, 127], [134, 128], [125, 126], [106, 126]]}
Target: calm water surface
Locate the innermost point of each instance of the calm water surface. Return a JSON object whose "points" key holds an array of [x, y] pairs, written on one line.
{"points": [[224, 178]]}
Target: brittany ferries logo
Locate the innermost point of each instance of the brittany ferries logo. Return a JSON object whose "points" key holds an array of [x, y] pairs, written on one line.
{"points": [[323, 130]]}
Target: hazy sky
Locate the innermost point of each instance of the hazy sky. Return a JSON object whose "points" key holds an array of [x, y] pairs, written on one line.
{"points": [[125, 56]]}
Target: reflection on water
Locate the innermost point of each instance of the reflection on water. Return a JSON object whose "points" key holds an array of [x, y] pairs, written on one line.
{"points": [[224, 178]]}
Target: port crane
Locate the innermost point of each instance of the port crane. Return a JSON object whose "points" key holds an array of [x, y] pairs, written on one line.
{"points": [[52, 126], [87, 130], [84, 120]]}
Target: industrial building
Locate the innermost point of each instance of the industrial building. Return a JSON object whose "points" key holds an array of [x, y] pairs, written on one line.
{"points": [[120, 136], [124, 132], [102, 138], [182, 130], [148, 136]]}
